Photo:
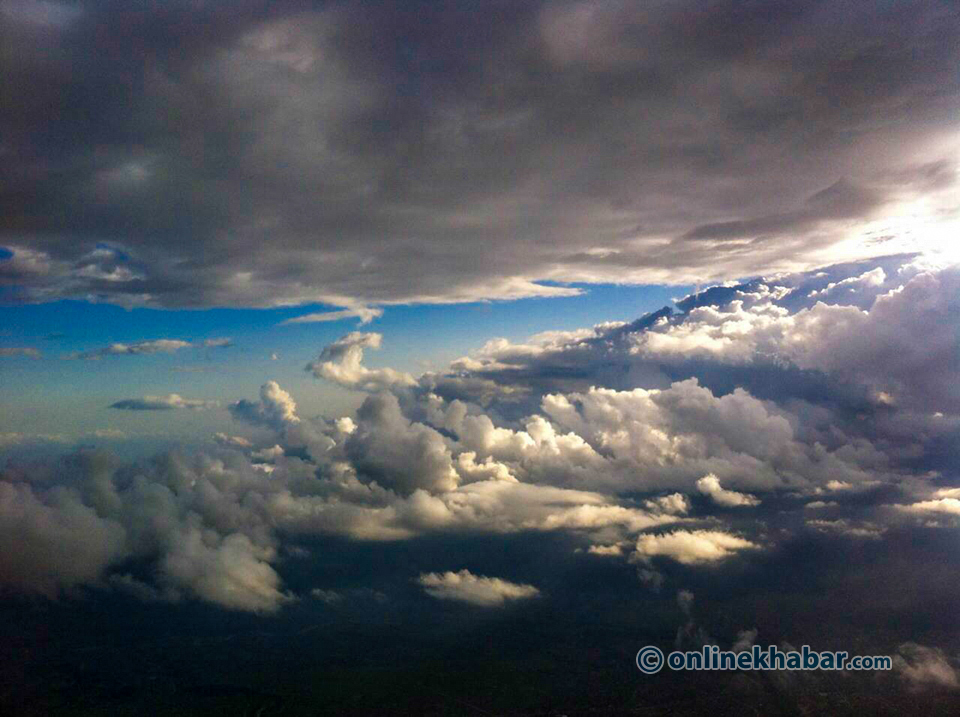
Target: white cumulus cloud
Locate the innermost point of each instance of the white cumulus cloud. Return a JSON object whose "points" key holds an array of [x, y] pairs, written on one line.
{"points": [[692, 547], [464, 586]]}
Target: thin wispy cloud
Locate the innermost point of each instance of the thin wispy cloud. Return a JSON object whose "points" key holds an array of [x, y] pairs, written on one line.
{"points": [[162, 403], [147, 348], [17, 351], [365, 314]]}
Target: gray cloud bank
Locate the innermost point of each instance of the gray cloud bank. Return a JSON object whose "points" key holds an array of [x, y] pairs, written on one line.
{"points": [[270, 154]]}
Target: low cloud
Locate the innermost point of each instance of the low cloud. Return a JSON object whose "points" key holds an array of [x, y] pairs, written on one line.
{"points": [[231, 571], [16, 438], [113, 434], [924, 667], [948, 506], [710, 486], [330, 597], [147, 348], [464, 586], [14, 351], [163, 403], [593, 434], [275, 409], [692, 547], [232, 441], [342, 362], [849, 528], [141, 348], [61, 541]]}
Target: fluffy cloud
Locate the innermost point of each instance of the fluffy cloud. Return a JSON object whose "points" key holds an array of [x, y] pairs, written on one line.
{"points": [[709, 485], [888, 345], [610, 467], [464, 586], [210, 526], [162, 403], [902, 346], [669, 438], [368, 512], [230, 571], [850, 389], [615, 550], [187, 519], [276, 408], [61, 541], [873, 278], [899, 347], [342, 362], [268, 454], [399, 454], [692, 547], [949, 506]]}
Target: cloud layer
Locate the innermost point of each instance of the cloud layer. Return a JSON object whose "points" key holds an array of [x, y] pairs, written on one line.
{"points": [[712, 438], [284, 155]]}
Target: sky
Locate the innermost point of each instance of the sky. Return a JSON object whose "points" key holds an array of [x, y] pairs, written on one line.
{"points": [[465, 349]]}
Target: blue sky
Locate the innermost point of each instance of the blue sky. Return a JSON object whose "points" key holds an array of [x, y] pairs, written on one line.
{"points": [[58, 395]]}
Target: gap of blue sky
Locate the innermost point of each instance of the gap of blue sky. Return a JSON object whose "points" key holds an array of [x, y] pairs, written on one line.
{"points": [[71, 397]]}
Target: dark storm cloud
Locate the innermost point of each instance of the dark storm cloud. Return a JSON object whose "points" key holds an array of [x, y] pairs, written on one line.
{"points": [[838, 201], [263, 153]]}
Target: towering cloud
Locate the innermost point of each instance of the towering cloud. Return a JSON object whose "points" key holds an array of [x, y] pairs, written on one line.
{"points": [[275, 409]]}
